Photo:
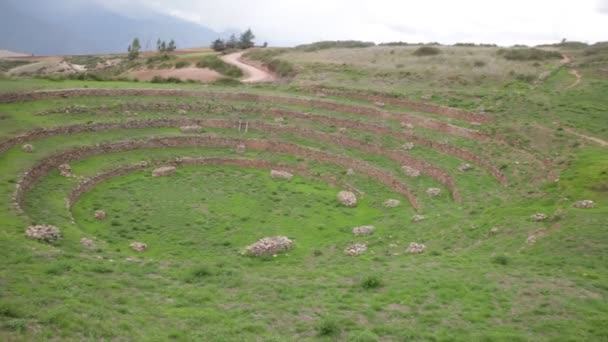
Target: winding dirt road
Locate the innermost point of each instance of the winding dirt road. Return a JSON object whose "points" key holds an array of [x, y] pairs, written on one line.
{"points": [[252, 73]]}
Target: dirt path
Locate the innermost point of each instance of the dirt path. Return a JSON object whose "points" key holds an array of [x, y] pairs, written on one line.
{"points": [[252, 74], [587, 137], [566, 61]]}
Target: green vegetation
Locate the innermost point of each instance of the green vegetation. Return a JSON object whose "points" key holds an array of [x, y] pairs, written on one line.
{"points": [[8, 64], [334, 44], [528, 54], [133, 49], [268, 57], [215, 63], [427, 51]]}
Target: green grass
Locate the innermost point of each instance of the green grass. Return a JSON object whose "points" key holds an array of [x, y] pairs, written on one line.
{"points": [[193, 284], [213, 62]]}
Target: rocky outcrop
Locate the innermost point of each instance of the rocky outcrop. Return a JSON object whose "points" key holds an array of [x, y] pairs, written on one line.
{"points": [[347, 198], [415, 248], [418, 218], [538, 217], [100, 215], [584, 204], [433, 192], [27, 148], [269, 246], [355, 249], [363, 230], [65, 170], [43, 233], [277, 174], [138, 246], [163, 171], [392, 203]]}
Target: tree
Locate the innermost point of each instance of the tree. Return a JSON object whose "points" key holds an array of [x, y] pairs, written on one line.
{"points": [[134, 49], [246, 40], [232, 42], [218, 45], [265, 45], [158, 45], [171, 46]]}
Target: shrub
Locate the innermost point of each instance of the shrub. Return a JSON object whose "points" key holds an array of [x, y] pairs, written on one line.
{"points": [[158, 79], [280, 67], [215, 63], [227, 81], [501, 259], [327, 326], [427, 51], [182, 64], [528, 54], [479, 63], [371, 282]]}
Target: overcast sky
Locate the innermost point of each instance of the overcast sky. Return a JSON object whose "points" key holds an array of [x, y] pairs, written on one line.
{"points": [[290, 22]]}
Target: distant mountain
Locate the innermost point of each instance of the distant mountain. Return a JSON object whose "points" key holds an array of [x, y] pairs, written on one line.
{"points": [[65, 27]]}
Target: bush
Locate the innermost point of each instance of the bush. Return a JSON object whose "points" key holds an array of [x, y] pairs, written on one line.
{"points": [[163, 57], [334, 44], [479, 63], [528, 54], [501, 259], [371, 282], [427, 51], [158, 79], [181, 64], [327, 327], [215, 63], [227, 81]]}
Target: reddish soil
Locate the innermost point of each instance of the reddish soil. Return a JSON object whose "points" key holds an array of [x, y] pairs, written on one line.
{"points": [[184, 74]]}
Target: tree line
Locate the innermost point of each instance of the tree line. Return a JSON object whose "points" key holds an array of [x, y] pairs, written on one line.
{"points": [[245, 41]]}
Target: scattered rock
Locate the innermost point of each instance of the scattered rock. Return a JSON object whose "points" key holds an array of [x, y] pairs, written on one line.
{"points": [[342, 130], [350, 172], [27, 148], [415, 248], [364, 230], [531, 240], [464, 167], [280, 174], [347, 198], [410, 171], [88, 243], [356, 249], [269, 246], [241, 148], [426, 97], [182, 111], [190, 129], [408, 146], [43, 233], [138, 246], [433, 192], [584, 204], [321, 95], [65, 170], [279, 119], [538, 217], [494, 231], [100, 215], [418, 218], [392, 203], [163, 171], [379, 104], [406, 125]]}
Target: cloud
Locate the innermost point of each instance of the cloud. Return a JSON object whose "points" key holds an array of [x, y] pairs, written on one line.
{"points": [[300, 21]]}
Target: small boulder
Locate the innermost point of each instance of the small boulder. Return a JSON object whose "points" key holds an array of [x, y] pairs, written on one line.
{"points": [[356, 249], [494, 231], [43, 233], [182, 111], [279, 119], [241, 148], [342, 130], [138, 246], [100, 215], [531, 240], [347, 198], [163, 171], [584, 204], [433, 192], [415, 248], [392, 203], [65, 170], [410, 171], [408, 146], [418, 218], [363, 230], [281, 174], [538, 217], [350, 172], [269, 246], [27, 148], [380, 104], [464, 167], [88, 243], [190, 129]]}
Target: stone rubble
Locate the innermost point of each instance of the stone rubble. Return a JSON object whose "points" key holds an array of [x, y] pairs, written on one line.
{"points": [[363, 230], [584, 204], [88, 243], [65, 170], [27, 148], [408, 146], [347, 198], [350, 172], [356, 249], [433, 192], [410, 171], [418, 218], [269, 246], [163, 171], [392, 203], [281, 174], [531, 240], [279, 119], [465, 167], [538, 217], [43, 233], [415, 248], [138, 246], [100, 215]]}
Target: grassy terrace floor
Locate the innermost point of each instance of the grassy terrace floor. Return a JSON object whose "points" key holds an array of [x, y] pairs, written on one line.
{"points": [[192, 283]]}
